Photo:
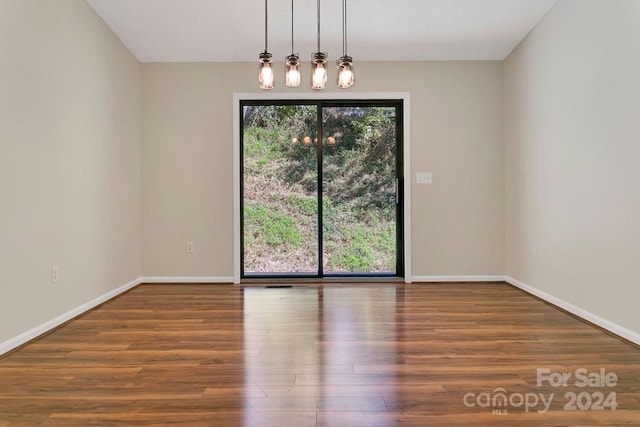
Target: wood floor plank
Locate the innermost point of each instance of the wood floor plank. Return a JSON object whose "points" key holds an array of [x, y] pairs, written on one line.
{"points": [[336, 355]]}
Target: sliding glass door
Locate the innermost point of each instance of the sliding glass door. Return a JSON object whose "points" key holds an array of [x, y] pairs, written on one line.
{"points": [[321, 188]]}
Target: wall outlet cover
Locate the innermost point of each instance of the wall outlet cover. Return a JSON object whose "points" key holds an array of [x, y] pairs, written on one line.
{"points": [[424, 178]]}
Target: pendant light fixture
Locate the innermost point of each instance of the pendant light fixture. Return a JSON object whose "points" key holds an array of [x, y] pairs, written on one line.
{"points": [[318, 63], [345, 63], [292, 62], [265, 75]]}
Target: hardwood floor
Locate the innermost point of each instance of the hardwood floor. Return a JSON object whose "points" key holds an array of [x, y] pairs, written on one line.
{"points": [[336, 355]]}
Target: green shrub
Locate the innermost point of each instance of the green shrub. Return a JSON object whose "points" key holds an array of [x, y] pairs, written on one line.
{"points": [[306, 205], [270, 225], [361, 247], [261, 146]]}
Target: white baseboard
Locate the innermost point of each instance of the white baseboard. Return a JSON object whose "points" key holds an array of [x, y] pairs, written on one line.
{"points": [[65, 317], [457, 279], [584, 314], [188, 279]]}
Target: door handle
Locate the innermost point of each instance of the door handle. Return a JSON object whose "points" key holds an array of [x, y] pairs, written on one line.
{"points": [[397, 192]]}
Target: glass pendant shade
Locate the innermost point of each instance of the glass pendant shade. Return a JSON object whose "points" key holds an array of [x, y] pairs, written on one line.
{"points": [[292, 71], [265, 72], [318, 70], [346, 77], [265, 75]]}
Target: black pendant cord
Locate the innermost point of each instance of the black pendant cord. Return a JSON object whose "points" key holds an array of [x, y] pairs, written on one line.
{"points": [[318, 26], [344, 27], [266, 23], [291, 27]]}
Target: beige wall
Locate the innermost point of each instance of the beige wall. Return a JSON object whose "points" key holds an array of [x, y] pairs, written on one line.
{"points": [[572, 137], [456, 128], [69, 161]]}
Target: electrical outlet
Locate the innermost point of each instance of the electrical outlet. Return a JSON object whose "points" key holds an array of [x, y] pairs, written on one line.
{"points": [[189, 247], [54, 274], [424, 178]]}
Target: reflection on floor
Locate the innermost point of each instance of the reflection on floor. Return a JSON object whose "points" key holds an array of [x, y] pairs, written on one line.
{"points": [[338, 355]]}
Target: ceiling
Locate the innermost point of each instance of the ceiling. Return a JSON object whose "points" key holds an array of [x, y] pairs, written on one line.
{"points": [[378, 30]]}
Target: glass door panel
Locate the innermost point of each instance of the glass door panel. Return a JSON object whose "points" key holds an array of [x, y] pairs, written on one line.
{"points": [[359, 190], [279, 189]]}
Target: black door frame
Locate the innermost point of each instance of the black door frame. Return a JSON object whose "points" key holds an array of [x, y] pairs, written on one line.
{"points": [[320, 104]]}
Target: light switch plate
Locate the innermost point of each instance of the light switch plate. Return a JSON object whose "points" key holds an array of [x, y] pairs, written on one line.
{"points": [[424, 178]]}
